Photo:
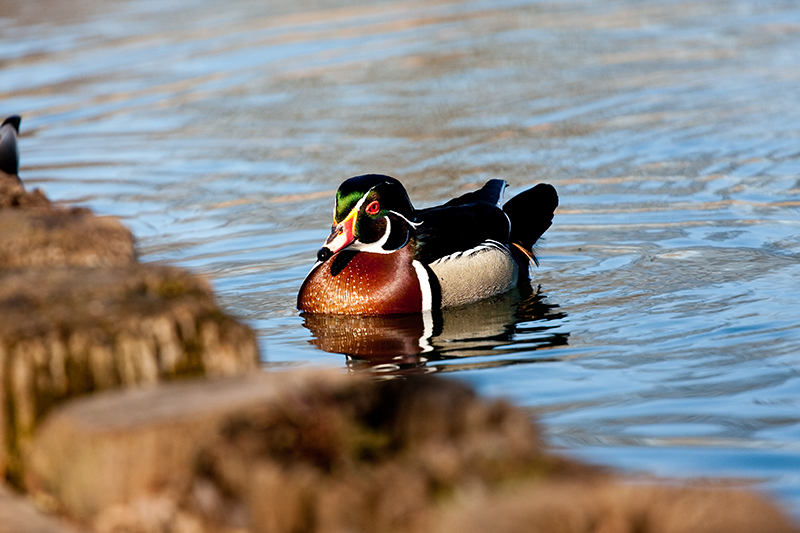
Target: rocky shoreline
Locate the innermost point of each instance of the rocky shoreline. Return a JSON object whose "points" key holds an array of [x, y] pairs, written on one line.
{"points": [[132, 403]]}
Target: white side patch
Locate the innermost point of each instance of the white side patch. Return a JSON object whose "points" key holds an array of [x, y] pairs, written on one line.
{"points": [[424, 285]]}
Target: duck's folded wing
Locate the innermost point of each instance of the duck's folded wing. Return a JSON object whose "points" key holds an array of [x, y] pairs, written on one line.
{"points": [[453, 229]]}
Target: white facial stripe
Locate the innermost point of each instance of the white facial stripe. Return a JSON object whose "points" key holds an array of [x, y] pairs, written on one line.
{"points": [[356, 207], [413, 224], [359, 203], [424, 285]]}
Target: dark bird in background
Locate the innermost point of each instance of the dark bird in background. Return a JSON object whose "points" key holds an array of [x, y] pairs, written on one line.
{"points": [[9, 151]]}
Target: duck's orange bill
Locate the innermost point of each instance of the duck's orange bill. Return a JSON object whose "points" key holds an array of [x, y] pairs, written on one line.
{"points": [[343, 233]]}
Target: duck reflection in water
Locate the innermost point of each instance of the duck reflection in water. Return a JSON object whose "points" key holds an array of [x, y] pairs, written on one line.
{"points": [[506, 329]]}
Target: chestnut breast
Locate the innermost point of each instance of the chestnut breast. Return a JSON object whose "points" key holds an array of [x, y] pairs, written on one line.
{"points": [[363, 284]]}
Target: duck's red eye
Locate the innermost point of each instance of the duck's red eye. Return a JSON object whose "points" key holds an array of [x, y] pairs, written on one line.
{"points": [[373, 208]]}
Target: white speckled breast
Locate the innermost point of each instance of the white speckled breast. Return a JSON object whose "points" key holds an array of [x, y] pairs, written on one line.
{"points": [[480, 273]]}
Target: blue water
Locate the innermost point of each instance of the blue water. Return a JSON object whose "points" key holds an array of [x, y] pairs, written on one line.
{"points": [[663, 335]]}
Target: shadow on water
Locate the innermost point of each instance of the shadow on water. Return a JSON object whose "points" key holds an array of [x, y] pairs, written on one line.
{"points": [[505, 330]]}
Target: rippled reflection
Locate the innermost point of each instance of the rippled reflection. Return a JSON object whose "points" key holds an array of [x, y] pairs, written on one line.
{"points": [[500, 331]]}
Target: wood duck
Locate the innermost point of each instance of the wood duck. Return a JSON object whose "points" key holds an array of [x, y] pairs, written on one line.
{"points": [[385, 257], [9, 152]]}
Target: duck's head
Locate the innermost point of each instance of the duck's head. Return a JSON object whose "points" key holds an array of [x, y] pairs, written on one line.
{"points": [[372, 214]]}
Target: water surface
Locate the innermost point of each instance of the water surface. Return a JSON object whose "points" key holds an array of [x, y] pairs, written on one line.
{"points": [[662, 330]]}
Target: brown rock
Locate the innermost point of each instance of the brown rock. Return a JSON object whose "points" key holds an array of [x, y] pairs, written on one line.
{"points": [[119, 448], [611, 506], [18, 515], [14, 195], [61, 237], [35, 233], [283, 452], [67, 332]]}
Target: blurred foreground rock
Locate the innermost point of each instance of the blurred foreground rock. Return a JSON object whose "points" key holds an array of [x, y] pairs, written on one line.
{"points": [[612, 506], [324, 452], [80, 314], [18, 515], [34, 233]]}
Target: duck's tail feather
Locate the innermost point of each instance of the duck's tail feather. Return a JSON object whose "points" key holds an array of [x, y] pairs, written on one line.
{"points": [[531, 213], [9, 153]]}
